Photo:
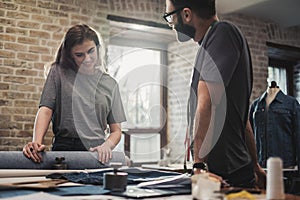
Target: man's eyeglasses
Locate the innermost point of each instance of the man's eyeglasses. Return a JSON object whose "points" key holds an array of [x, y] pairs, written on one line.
{"points": [[169, 16]]}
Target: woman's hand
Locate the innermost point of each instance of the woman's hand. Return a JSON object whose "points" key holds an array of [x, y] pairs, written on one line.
{"points": [[31, 151], [104, 151]]}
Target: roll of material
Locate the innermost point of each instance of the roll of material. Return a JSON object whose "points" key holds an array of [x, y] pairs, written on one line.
{"points": [[115, 181], [275, 188], [72, 160]]}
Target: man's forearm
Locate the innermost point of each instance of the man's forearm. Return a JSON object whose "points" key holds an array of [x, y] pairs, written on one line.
{"points": [[250, 142], [201, 126], [202, 121]]}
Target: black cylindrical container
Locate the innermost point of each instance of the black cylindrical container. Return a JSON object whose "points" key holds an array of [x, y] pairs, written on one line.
{"points": [[115, 181]]}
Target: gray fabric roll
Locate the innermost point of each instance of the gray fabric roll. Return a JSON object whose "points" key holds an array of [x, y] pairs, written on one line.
{"points": [[74, 160]]}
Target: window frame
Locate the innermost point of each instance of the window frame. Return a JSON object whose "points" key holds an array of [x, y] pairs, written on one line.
{"points": [[288, 66], [284, 56], [149, 43]]}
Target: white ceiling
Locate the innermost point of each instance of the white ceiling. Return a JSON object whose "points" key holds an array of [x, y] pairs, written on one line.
{"points": [[286, 13]]}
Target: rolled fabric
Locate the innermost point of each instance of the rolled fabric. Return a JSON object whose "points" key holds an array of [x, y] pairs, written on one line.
{"points": [[73, 159]]}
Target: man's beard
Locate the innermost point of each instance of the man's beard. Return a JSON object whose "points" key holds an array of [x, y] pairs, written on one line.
{"points": [[184, 32]]}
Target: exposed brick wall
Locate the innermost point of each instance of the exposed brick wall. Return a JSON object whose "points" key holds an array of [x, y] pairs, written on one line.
{"points": [[140, 9], [30, 33]]}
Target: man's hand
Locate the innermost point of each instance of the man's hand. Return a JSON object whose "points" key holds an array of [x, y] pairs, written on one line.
{"points": [[104, 151], [213, 176], [260, 176], [32, 149]]}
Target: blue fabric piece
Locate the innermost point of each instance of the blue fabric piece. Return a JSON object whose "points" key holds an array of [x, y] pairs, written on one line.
{"points": [[96, 178], [135, 176], [15, 192], [79, 190], [61, 191]]}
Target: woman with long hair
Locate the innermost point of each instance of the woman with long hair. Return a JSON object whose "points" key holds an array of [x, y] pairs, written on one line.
{"points": [[80, 99]]}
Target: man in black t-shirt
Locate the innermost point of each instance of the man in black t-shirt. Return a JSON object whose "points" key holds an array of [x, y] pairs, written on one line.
{"points": [[220, 91]]}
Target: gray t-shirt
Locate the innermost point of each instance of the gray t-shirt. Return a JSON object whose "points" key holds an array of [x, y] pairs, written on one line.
{"points": [[82, 104], [224, 58]]}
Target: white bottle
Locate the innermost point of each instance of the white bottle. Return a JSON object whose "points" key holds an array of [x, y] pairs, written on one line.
{"points": [[275, 188]]}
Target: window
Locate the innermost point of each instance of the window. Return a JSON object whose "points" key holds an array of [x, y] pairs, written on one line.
{"points": [[136, 58], [282, 62], [138, 72], [279, 75]]}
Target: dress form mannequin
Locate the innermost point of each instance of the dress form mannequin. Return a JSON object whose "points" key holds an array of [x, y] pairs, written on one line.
{"points": [[271, 93], [274, 117]]}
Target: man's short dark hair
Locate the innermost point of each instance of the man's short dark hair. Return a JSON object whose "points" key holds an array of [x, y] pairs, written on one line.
{"points": [[203, 8]]}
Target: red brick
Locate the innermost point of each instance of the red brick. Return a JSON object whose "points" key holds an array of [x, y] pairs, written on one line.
{"points": [[39, 81], [28, 40], [51, 27], [12, 110], [26, 2], [2, 13], [33, 110], [32, 10], [68, 8], [64, 1], [24, 88], [24, 103], [39, 49], [9, 141], [3, 102], [57, 36], [5, 125], [8, 6], [15, 46], [7, 38], [55, 13], [80, 17], [4, 133], [14, 94], [7, 54], [48, 5], [4, 86], [16, 31], [40, 34], [28, 56], [17, 15], [28, 24], [28, 126], [46, 58], [23, 118], [23, 134], [38, 95], [39, 66], [42, 18]]}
